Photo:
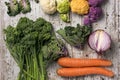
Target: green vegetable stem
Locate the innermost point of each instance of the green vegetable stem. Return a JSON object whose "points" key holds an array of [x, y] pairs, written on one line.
{"points": [[34, 46]]}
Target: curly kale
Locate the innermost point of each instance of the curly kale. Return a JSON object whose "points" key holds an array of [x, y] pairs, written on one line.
{"points": [[13, 7], [25, 6], [75, 36]]}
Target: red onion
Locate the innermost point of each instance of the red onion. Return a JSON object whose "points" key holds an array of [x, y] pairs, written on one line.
{"points": [[99, 41]]}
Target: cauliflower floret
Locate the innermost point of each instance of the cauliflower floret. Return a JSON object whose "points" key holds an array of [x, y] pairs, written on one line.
{"points": [[79, 6], [63, 6], [95, 2], [48, 6]]}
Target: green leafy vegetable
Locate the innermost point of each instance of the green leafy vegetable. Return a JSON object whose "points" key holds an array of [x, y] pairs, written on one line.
{"points": [[75, 36], [34, 46], [13, 7], [25, 6]]}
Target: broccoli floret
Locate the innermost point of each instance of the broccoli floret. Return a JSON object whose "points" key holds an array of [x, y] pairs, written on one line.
{"points": [[25, 6], [13, 8], [37, 1]]}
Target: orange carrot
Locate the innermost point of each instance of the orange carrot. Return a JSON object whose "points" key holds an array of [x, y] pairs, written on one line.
{"points": [[75, 62], [73, 72]]}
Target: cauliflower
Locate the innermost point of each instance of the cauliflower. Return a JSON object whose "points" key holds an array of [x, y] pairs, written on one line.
{"points": [[94, 14], [63, 6], [95, 2], [48, 6], [65, 17], [87, 20], [79, 6]]}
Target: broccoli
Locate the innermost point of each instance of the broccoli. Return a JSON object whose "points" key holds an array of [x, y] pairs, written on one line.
{"points": [[13, 7], [25, 6]]}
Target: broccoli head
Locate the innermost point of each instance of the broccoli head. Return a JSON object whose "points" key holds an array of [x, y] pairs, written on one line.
{"points": [[25, 6], [13, 7]]}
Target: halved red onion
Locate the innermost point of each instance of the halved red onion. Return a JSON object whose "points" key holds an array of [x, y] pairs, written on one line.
{"points": [[99, 41]]}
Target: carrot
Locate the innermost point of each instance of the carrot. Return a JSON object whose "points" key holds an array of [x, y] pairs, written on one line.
{"points": [[73, 72], [75, 62]]}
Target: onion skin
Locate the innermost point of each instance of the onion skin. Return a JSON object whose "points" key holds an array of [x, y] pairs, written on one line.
{"points": [[100, 41]]}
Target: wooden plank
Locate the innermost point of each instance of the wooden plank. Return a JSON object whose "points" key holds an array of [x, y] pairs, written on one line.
{"points": [[110, 23]]}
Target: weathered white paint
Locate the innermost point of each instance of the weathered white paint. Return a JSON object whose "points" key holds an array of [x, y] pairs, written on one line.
{"points": [[110, 22]]}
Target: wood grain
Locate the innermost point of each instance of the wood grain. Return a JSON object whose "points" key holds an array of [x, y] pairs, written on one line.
{"points": [[110, 22]]}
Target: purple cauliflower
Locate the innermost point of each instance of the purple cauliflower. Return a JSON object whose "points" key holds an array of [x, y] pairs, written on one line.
{"points": [[87, 20], [95, 13], [95, 2]]}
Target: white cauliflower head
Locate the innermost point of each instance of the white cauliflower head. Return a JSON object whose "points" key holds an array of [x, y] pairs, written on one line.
{"points": [[48, 6]]}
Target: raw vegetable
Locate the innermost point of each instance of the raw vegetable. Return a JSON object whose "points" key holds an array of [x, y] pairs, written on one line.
{"points": [[34, 46], [73, 72], [25, 6], [65, 17], [48, 6], [94, 14], [13, 7], [76, 62], [87, 21], [99, 41], [79, 6], [63, 7], [75, 36], [95, 2]]}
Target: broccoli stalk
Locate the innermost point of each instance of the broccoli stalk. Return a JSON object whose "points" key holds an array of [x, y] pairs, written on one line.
{"points": [[25, 6], [13, 7]]}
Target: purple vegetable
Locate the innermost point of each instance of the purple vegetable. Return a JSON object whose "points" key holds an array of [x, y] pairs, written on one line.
{"points": [[95, 13], [87, 20], [100, 41], [95, 2]]}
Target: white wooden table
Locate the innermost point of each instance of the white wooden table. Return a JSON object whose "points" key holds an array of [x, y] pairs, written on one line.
{"points": [[110, 22]]}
